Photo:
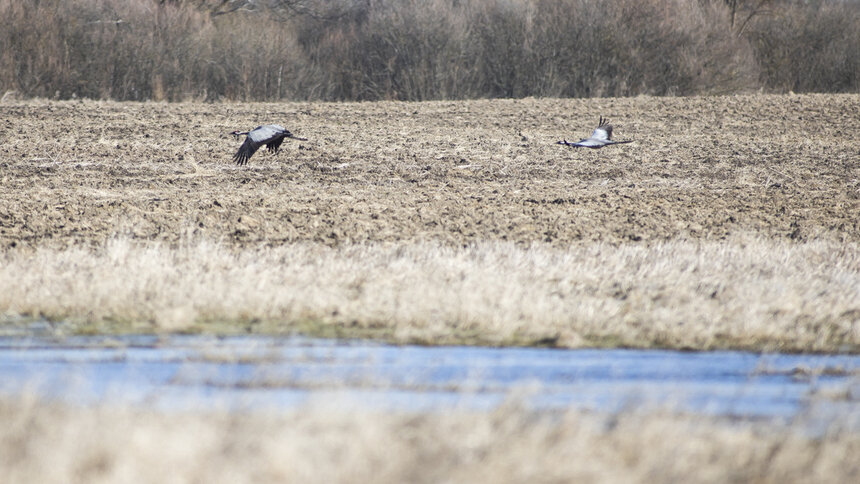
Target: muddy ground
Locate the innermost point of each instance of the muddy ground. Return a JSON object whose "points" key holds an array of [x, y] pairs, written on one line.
{"points": [[779, 166]]}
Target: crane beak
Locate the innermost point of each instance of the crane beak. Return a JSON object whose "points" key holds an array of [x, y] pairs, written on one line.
{"points": [[297, 138]]}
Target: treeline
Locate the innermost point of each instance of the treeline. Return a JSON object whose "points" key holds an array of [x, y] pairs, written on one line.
{"points": [[423, 49]]}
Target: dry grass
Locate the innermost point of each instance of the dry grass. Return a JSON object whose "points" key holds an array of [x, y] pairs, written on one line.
{"points": [[52, 443], [738, 293], [730, 222]]}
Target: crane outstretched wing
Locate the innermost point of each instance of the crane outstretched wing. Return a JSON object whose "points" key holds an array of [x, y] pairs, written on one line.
{"points": [[600, 137], [248, 148], [603, 130], [274, 145], [271, 135], [590, 143]]}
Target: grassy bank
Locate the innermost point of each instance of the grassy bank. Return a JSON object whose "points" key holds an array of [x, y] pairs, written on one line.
{"points": [[738, 293]]}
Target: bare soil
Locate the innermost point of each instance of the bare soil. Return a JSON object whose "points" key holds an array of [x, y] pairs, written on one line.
{"points": [[778, 166]]}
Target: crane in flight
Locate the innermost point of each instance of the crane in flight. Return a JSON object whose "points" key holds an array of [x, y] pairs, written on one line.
{"points": [[271, 135], [602, 136]]}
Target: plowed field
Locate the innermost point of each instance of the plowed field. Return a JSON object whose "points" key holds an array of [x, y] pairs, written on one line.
{"points": [[454, 172]]}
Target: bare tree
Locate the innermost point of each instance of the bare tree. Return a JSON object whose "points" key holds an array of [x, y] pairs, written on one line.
{"points": [[321, 9], [742, 11]]}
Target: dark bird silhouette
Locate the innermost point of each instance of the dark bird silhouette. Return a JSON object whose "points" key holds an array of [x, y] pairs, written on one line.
{"points": [[602, 136], [271, 135]]}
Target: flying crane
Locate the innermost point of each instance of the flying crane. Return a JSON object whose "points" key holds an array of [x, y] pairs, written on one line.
{"points": [[602, 136], [271, 135]]}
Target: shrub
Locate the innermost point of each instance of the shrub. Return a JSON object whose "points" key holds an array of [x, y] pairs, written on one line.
{"points": [[415, 50], [809, 46], [138, 50], [499, 48]]}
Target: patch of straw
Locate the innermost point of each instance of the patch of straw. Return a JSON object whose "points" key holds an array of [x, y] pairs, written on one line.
{"points": [[740, 293]]}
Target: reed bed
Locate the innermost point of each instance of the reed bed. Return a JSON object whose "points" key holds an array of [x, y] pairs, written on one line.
{"points": [[739, 293]]}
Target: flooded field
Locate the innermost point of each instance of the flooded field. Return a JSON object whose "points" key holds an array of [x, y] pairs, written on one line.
{"points": [[251, 408], [254, 373]]}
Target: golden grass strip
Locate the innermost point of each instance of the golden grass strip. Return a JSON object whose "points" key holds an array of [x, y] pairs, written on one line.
{"points": [[739, 293], [50, 443]]}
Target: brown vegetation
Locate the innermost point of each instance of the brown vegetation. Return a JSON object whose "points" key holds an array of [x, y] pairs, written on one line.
{"points": [[729, 222], [418, 50], [50, 443], [806, 50], [738, 293]]}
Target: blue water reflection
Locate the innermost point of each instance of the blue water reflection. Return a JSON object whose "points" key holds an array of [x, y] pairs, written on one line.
{"points": [[178, 372]]}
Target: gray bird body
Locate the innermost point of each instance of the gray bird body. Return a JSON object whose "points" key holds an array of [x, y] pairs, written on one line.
{"points": [[602, 136], [271, 135]]}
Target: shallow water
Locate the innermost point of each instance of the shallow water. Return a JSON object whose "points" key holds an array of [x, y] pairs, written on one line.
{"points": [[236, 373]]}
